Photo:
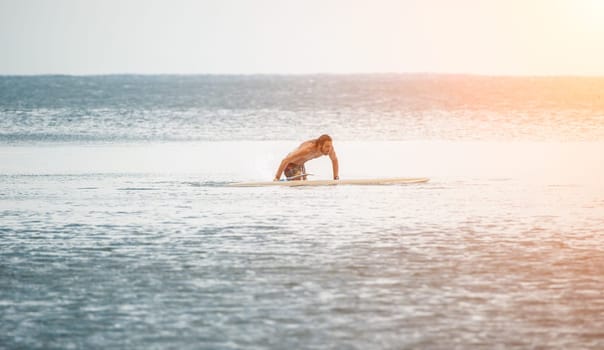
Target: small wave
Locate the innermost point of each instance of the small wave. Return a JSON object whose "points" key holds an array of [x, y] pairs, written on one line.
{"points": [[206, 183], [136, 189]]}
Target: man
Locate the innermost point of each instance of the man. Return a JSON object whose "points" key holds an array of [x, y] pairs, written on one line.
{"points": [[293, 164]]}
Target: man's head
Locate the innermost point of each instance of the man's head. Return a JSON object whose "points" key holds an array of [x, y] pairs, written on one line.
{"points": [[324, 144]]}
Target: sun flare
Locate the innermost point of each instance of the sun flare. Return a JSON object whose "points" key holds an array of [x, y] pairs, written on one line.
{"points": [[589, 15]]}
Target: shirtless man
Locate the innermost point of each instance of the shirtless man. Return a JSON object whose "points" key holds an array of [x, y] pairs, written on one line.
{"points": [[293, 164]]}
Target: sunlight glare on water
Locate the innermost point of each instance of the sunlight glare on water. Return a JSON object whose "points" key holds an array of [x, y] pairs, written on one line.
{"points": [[117, 229]]}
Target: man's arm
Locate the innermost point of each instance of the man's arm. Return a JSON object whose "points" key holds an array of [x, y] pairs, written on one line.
{"points": [[282, 166], [334, 164]]}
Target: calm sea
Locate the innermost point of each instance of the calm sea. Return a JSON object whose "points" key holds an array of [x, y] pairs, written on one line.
{"points": [[117, 229]]}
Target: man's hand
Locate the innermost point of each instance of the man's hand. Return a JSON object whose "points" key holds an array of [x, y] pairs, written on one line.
{"points": [[276, 179]]}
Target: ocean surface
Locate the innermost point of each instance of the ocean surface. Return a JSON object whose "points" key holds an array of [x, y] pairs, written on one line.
{"points": [[117, 229]]}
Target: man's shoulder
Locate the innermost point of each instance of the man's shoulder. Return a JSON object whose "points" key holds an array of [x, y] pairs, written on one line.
{"points": [[306, 145], [309, 142]]}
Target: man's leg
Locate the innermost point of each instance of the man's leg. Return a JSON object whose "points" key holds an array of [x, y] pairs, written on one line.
{"points": [[292, 170]]}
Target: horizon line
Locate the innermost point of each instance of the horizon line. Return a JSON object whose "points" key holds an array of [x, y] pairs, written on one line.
{"points": [[310, 74]]}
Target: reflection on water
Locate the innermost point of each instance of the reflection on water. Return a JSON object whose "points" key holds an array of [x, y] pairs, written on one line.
{"points": [[128, 238], [555, 163], [179, 260], [349, 107]]}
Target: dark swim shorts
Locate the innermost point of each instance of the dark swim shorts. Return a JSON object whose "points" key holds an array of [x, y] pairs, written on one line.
{"points": [[294, 170]]}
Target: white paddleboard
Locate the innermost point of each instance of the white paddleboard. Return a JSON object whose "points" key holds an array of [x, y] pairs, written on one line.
{"points": [[385, 181]]}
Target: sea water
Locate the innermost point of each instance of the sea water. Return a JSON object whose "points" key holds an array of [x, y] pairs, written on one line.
{"points": [[117, 229]]}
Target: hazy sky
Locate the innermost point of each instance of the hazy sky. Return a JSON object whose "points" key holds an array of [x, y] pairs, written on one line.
{"points": [[518, 37]]}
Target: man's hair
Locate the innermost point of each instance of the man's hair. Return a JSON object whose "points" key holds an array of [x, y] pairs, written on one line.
{"points": [[322, 139]]}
